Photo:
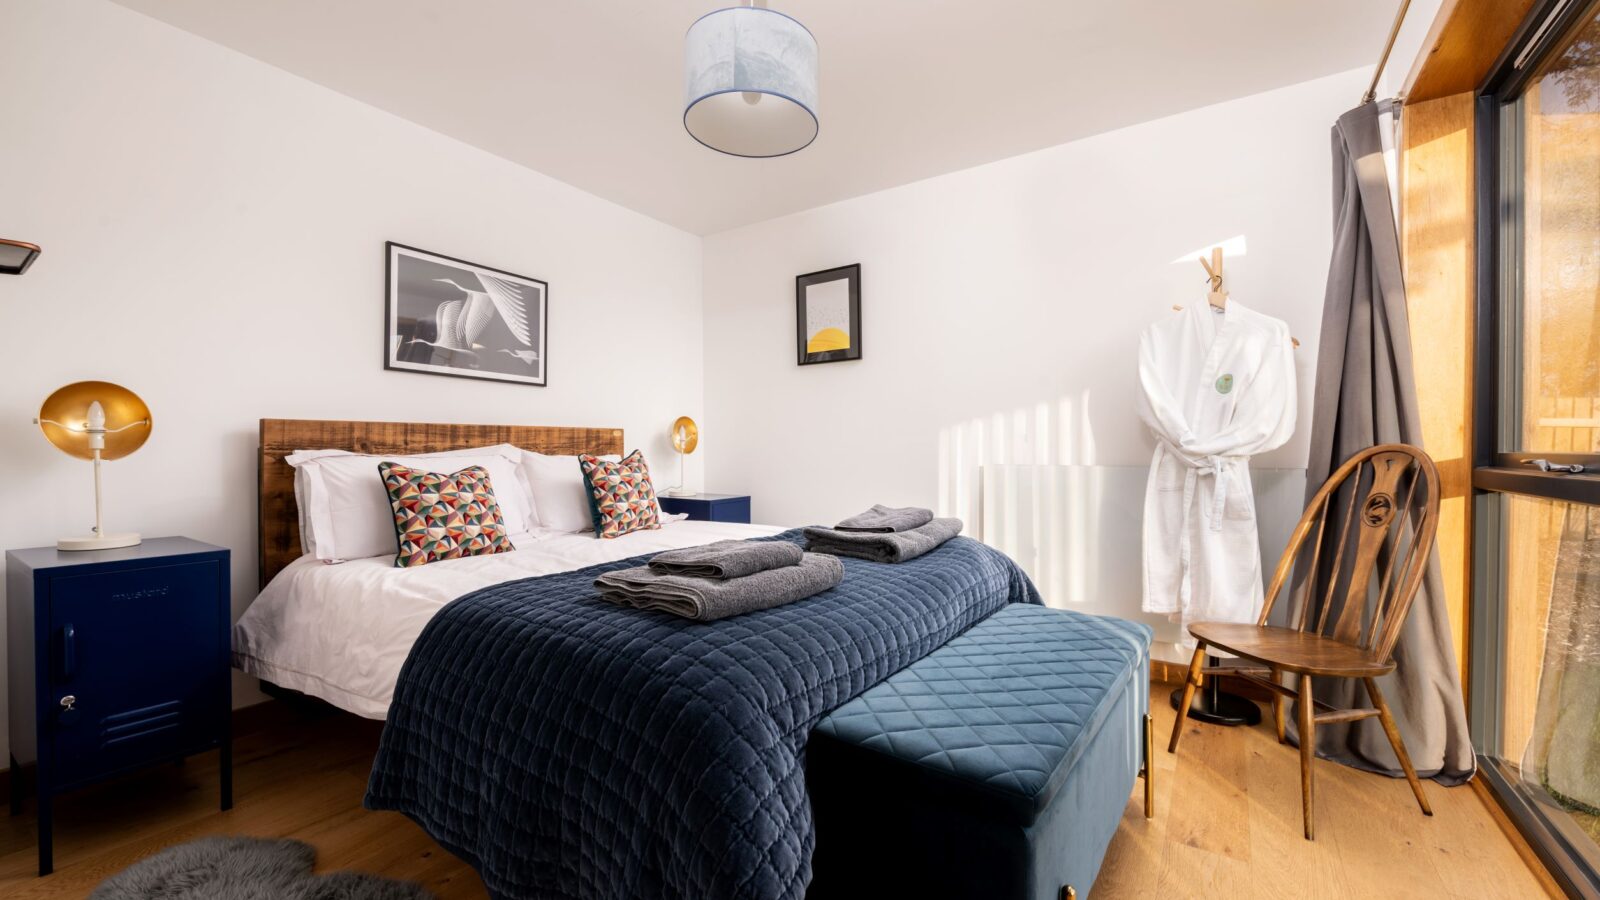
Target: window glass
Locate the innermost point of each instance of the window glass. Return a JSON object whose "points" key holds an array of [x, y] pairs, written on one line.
{"points": [[1551, 677], [1560, 365]]}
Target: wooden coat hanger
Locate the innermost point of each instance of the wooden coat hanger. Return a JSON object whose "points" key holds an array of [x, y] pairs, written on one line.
{"points": [[1217, 296]]}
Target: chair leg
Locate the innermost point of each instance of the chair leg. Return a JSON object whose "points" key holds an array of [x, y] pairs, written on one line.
{"points": [[1196, 677], [1308, 753], [1277, 706], [1393, 731]]}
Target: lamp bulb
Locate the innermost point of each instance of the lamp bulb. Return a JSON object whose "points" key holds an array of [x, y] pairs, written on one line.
{"points": [[97, 416]]}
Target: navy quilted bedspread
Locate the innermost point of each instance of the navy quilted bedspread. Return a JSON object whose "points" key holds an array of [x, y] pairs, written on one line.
{"points": [[566, 747]]}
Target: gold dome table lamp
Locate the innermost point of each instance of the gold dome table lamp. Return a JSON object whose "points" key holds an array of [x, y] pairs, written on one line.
{"points": [[685, 437], [95, 420]]}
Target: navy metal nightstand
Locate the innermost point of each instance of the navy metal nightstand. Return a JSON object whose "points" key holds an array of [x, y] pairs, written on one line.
{"points": [[709, 507], [118, 659]]}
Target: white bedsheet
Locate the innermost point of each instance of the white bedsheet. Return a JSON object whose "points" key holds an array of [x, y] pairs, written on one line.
{"points": [[342, 632]]}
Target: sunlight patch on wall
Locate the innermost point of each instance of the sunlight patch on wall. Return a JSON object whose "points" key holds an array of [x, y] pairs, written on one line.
{"points": [[1046, 433], [1047, 436], [1234, 246], [1030, 483]]}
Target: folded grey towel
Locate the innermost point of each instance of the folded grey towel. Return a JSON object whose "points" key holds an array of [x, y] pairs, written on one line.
{"points": [[882, 519], [705, 599], [885, 548], [727, 559]]}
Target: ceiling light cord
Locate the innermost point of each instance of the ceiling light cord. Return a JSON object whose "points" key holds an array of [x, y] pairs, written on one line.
{"points": [[753, 97]]}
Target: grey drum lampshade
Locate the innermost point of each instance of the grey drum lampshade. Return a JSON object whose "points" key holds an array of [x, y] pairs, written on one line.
{"points": [[750, 82]]}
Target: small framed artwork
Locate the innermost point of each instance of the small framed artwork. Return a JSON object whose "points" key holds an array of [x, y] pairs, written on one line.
{"points": [[450, 317], [827, 308]]}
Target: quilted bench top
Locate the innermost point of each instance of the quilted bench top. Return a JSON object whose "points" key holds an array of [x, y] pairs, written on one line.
{"points": [[1005, 709]]}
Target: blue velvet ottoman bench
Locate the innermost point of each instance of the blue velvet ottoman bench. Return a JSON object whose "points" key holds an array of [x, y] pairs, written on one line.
{"points": [[997, 766]]}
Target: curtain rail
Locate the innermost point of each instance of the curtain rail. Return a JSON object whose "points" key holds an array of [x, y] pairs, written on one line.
{"points": [[1388, 47]]}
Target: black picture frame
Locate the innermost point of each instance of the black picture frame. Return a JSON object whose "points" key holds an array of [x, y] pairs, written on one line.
{"points": [[405, 336], [805, 329]]}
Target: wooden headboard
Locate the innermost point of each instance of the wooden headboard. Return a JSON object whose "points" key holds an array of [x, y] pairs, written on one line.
{"points": [[279, 527]]}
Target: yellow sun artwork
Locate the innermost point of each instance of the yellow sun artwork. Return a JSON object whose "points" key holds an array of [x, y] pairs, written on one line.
{"points": [[828, 315], [828, 339]]}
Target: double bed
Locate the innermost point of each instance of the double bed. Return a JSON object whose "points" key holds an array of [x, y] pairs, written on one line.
{"points": [[341, 633], [568, 747]]}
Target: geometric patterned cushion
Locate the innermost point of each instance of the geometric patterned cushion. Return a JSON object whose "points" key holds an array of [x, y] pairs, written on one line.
{"points": [[621, 498], [443, 516]]}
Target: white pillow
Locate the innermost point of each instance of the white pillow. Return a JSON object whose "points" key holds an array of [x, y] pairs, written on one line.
{"points": [[345, 511], [308, 541], [302, 491], [559, 494]]}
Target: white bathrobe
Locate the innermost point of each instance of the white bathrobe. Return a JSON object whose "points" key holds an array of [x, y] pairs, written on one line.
{"points": [[1218, 388]]}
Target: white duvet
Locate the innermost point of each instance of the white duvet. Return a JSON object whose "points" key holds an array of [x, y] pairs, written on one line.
{"points": [[341, 632]]}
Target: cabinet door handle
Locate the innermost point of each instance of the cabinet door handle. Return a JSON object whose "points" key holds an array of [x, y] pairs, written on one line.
{"points": [[69, 650]]}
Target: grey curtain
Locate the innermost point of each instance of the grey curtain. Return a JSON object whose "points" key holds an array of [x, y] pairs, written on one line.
{"points": [[1366, 394]]}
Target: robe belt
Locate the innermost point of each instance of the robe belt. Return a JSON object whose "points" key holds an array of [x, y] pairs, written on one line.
{"points": [[1220, 468]]}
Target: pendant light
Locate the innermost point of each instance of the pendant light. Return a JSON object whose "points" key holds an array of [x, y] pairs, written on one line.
{"points": [[750, 82]]}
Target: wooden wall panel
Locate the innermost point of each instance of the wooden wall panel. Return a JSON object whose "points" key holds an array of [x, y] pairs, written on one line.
{"points": [[1465, 47], [1436, 234]]}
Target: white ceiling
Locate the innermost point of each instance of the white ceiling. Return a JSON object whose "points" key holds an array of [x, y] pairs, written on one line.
{"points": [[591, 92]]}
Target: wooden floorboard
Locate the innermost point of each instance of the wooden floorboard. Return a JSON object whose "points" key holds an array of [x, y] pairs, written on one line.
{"points": [[302, 779], [1243, 840], [1227, 823]]}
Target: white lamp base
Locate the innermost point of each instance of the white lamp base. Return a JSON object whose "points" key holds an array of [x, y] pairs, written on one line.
{"points": [[98, 541], [678, 492]]}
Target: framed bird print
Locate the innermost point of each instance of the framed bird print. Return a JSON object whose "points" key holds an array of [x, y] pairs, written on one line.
{"points": [[827, 307], [451, 317]]}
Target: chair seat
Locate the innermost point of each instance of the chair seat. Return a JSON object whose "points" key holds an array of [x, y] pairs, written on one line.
{"points": [[1291, 650]]}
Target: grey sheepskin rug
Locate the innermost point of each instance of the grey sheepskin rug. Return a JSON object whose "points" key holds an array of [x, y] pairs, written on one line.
{"points": [[243, 868]]}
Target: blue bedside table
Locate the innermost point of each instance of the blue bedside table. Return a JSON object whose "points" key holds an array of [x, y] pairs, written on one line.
{"points": [[709, 507], [118, 659]]}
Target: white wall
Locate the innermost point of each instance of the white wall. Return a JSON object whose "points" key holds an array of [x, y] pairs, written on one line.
{"points": [[213, 234], [1002, 305], [213, 230]]}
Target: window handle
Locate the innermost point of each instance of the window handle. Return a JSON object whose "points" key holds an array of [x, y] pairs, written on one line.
{"points": [[1546, 465]]}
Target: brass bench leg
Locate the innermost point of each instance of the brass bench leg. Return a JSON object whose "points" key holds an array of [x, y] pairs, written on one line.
{"points": [[1067, 893], [1149, 771]]}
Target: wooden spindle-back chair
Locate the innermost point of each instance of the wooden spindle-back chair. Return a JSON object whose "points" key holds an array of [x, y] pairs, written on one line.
{"points": [[1353, 595]]}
